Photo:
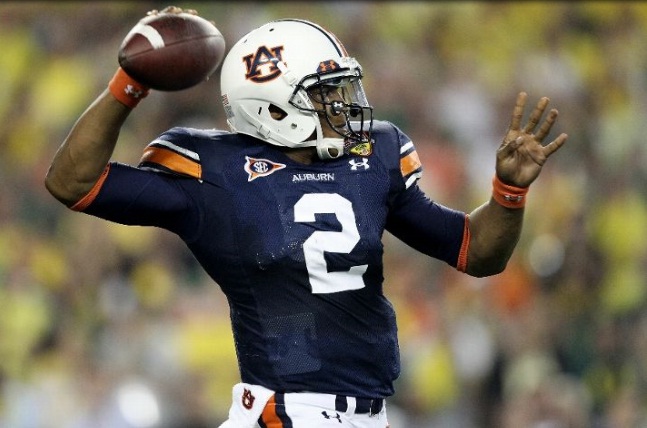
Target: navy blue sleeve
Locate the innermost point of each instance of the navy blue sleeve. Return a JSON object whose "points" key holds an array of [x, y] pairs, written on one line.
{"points": [[427, 226], [133, 196]]}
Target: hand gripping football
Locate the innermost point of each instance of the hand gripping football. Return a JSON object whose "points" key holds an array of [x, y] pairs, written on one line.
{"points": [[172, 51]]}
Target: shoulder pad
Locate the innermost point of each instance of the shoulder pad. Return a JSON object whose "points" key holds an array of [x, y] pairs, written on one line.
{"points": [[161, 155], [171, 153], [407, 157]]}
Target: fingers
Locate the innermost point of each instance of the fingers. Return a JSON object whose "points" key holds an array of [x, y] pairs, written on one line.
{"points": [[517, 113], [172, 9], [536, 115], [554, 145], [545, 127]]}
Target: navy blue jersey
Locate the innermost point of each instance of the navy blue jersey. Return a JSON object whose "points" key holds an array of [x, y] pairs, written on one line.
{"points": [[297, 249]]}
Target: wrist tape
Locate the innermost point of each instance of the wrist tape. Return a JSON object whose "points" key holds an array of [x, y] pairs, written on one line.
{"points": [[508, 196], [127, 90]]}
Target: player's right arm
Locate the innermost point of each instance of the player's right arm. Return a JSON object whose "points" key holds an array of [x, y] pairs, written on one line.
{"points": [[85, 152], [81, 160]]}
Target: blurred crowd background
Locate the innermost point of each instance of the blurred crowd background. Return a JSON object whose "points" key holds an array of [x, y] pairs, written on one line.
{"points": [[108, 326]]}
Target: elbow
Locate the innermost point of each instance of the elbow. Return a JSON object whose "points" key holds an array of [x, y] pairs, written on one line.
{"points": [[485, 268], [50, 183], [54, 189], [58, 190]]}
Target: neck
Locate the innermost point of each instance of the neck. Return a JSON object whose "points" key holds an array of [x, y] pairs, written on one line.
{"points": [[304, 155]]}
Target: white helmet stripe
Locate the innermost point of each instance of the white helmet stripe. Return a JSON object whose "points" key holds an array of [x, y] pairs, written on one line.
{"points": [[341, 50]]}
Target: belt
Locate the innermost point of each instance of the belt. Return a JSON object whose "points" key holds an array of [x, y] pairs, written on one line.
{"points": [[372, 406], [340, 403]]}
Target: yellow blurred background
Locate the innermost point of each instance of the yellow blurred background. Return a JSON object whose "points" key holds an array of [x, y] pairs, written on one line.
{"points": [[103, 325]]}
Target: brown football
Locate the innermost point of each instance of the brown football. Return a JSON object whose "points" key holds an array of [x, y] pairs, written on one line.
{"points": [[172, 51]]}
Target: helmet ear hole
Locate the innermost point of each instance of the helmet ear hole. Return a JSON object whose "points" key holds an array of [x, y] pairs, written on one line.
{"points": [[277, 112]]}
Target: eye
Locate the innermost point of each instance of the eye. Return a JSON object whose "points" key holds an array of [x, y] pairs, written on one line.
{"points": [[327, 90], [321, 92]]}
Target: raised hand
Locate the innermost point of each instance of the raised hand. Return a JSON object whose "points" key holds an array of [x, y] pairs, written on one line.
{"points": [[521, 155]]}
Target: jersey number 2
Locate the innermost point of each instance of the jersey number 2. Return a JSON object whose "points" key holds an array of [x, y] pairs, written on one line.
{"points": [[342, 241]]}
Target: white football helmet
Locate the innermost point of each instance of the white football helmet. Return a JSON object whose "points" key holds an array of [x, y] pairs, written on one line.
{"points": [[271, 75]]}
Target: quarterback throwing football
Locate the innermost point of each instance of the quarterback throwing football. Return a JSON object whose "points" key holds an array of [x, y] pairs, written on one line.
{"points": [[286, 212]]}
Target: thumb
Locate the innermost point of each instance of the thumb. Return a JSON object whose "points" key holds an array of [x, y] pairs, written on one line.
{"points": [[509, 147]]}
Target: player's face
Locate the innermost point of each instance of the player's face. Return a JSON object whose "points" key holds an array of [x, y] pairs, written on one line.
{"points": [[323, 98]]}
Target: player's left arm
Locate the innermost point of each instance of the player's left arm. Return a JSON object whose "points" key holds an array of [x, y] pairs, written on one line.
{"points": [[495, 227]]}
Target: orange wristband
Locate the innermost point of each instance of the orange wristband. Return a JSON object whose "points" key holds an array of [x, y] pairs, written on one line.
{"points": [[127, 90], [508, 196]]}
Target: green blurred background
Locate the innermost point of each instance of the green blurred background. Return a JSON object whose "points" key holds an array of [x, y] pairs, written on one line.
{"points": [[103, 325]]}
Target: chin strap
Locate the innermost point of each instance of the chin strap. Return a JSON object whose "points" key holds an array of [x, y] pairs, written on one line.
{"points": [[327, 145], [327, 148]]}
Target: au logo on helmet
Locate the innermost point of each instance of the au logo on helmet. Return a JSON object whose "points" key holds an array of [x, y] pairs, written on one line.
{"points": [[261, 65]]}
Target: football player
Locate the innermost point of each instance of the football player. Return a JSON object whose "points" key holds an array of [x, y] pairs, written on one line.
{"points": [[286, 212]]}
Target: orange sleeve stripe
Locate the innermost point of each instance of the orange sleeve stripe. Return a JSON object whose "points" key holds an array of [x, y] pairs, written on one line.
{"points": [[410, 163], [172, 161], [269, 416], [85, 201], [461, 265]]}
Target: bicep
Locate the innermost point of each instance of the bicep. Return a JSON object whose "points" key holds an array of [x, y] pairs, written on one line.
{"points": [[133, 196], [427, 226]]}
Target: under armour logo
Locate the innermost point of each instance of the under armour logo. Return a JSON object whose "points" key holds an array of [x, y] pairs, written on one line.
{"points": [[513, 198], [327, 66], [327, 416], [132, 92], [354, 165]]}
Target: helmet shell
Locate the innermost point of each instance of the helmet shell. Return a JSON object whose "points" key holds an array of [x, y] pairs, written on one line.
{"points": [[268, 69]]}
